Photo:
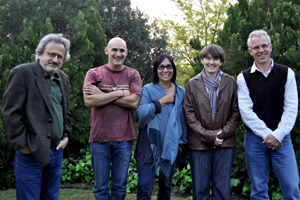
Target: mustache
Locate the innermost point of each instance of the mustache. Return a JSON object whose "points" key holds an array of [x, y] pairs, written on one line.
{"points": [[52, 62]]}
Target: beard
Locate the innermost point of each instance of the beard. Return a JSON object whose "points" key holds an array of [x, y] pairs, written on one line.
{"points": [[51, 69]]}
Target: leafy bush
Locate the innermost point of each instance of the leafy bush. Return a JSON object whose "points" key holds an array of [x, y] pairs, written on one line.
{"points": [[7, 177], [240, 180], [132, 178], [78, 169], [183, 180]]}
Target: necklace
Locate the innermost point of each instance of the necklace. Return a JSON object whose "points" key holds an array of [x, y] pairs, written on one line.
{"points": [[167, 88]]}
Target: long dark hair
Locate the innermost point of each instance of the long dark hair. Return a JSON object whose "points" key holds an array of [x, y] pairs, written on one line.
{"points": [[157, 62]]}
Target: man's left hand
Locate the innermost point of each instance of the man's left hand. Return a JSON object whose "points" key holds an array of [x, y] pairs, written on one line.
{"points": [[92, 90], [271, 142], [63, 143]]}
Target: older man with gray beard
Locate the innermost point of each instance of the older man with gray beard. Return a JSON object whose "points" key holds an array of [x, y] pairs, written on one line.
{"points": [[37, 118]]}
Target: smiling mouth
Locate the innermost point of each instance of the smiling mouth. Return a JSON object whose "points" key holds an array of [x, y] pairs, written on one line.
{"points": [[262, 56], [118, 58]]}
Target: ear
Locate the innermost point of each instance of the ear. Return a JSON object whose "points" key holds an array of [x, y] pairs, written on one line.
{"points": [[250, 51], [106, 50], [126, 52], [271, 48], [202, 61]]}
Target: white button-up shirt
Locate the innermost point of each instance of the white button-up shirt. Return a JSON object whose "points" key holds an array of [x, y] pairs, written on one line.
{"points": [[290, 108]]}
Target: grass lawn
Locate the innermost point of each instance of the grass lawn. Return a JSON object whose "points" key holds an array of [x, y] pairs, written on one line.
{"points": [[72, 194]]}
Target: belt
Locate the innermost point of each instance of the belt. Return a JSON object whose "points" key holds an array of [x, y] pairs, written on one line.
{"points": [[248, 129]]}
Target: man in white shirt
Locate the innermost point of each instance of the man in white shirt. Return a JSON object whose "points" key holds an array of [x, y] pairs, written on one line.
{"points": [[268, 103]]}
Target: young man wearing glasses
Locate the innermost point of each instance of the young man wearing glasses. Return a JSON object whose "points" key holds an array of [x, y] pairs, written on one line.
{"points": [[37, 118], [268, 103]]}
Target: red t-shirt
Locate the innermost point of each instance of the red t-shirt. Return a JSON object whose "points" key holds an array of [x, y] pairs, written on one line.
{"points": [[113, 123]]}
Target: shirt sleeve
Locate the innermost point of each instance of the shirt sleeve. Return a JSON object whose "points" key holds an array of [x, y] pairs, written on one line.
{"points": [[249, 117], [89, 79], [13, 102], [135, 86], [290, 108], [157, 106]]}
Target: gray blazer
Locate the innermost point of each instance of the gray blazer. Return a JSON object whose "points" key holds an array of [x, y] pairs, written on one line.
{"points": [[26, 109]]}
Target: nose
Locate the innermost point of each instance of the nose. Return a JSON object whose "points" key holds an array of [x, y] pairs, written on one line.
{"points": [[261, 49], [55, 59], [118, 53]]}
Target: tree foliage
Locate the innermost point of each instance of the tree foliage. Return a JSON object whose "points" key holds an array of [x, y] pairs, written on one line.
{"points": [[24, 23], [144, 42], [281, 20], [202, 20]]}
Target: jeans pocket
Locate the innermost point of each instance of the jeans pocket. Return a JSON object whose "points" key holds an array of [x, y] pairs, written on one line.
{"points": [[249, 133]]}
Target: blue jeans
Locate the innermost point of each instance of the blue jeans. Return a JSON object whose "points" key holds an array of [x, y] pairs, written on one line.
{"points": [[211, 168], [117, 153], [146, 176], [283, 162], [34, 181]]}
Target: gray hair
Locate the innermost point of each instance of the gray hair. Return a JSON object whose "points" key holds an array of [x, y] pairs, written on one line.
{"points": [[58, 38], [258, 33]]}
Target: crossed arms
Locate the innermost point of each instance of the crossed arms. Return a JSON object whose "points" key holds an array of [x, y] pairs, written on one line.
{"points": [[94, 97]]}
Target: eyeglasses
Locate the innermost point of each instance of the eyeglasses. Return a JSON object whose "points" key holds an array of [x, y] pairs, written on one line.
{"points": [[162, 67], [53, 55], [264, 47]]}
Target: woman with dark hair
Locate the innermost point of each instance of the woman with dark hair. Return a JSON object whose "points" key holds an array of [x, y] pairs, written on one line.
{"points": [[211, 110], [162, 130]]}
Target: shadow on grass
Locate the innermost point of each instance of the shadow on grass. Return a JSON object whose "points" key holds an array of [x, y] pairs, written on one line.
{"points": [[72, 194]]}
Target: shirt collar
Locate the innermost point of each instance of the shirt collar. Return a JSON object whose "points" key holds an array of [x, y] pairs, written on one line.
{"points": [[254, 68], [56, 76]]}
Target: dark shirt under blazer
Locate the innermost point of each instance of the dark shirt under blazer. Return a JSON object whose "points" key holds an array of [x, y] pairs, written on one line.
{"points": [[26, 109]]}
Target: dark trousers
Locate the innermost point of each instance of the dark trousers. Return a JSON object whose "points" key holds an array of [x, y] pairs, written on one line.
{"points": [[146, 177]]}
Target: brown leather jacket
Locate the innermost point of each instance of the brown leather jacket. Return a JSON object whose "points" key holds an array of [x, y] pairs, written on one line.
{"points": [[202, 129]]}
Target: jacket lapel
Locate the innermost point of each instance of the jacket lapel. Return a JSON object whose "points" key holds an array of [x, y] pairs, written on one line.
{"points": [[224, 81], [200, 85], [41, 83]]}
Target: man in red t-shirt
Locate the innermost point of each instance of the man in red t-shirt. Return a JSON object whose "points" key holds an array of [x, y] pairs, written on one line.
{"points": [[112, 90]]}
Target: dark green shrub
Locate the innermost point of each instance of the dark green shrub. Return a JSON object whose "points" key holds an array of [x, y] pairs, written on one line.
{"points": [[183, 180], [78, 169], [7, 177], [132, 178], [240, 180]]}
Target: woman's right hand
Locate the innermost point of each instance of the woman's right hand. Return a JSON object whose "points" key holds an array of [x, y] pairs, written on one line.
{"points": [[218, 141], [169, 98]]}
